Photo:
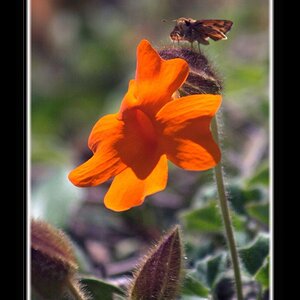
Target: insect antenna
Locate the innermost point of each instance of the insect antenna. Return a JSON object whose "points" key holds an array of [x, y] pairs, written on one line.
{"points": [[167, 21]]}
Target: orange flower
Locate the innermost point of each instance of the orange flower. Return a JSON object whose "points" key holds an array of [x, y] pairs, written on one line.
{"points": [[134, 145]]}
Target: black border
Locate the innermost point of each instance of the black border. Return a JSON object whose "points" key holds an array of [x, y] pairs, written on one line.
{"points": [[17, 141], [281, 198]]}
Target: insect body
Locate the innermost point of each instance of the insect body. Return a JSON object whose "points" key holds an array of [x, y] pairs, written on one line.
{"points": [[188, 29]]}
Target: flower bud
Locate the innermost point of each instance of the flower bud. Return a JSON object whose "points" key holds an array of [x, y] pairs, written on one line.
{"points": [[202, 79], [159, 275], [53, 263]]}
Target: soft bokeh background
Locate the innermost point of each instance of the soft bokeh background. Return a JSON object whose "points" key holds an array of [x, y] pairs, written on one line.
{"points": [[83, 54]]}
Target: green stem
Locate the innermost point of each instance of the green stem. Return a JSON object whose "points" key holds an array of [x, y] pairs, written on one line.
{"points": [[227, 218]]}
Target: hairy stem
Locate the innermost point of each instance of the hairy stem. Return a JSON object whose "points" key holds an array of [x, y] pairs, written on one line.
{"points": [[75, 291], [227, 218]]}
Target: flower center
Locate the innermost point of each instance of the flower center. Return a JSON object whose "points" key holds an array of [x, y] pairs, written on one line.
{"points": [[144, 126]]}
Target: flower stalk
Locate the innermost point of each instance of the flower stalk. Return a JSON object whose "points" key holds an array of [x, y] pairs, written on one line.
{"points": [[74, 290], [203, 80], [225, 211]]}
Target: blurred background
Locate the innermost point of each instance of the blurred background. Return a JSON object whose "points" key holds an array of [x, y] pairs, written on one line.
{"points": [[82, 57]]}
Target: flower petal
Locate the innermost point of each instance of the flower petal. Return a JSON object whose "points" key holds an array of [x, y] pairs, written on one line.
{"points": [[156, 79], [98, 169], [186, 136], [127, 191], [108, 129], [106, 162], [139, 148]]}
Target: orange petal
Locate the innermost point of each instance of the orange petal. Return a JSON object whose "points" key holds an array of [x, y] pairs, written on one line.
{"points": [[98, 169], [183, 109], [156, 79], [108, 129], [106, 162], [186, 136], [127, 191], [129, 100], [139, 148]]}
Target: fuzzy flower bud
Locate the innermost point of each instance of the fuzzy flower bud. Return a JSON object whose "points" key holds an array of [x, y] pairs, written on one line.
{"points": [[53, 263], [202, 78]]}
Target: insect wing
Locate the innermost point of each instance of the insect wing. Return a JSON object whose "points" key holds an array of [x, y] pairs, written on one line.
{"points": [[214, 29], [220, 25]]}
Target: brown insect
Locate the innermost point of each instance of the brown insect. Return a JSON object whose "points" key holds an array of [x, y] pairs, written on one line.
{"points": [[188, 29]]}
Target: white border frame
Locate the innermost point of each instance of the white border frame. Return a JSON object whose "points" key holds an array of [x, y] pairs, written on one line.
{"points": [[28, 128], [271, 158]]}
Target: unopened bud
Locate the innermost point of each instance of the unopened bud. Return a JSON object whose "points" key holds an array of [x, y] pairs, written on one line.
{"points": [[159, 275], [53, 263], [202, 79]]}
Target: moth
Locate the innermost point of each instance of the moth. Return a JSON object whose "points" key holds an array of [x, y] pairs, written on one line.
{"points": [[188, 29]]}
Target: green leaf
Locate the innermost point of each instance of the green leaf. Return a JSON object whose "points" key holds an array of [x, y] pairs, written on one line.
{"points": [[159, 275], [259, 211], [239, 197], [263, 275], [211, 268], [261, 176], [254, 254], [99, 289], [205, 219], [239, 222], [208, 219], [193, 287]]}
